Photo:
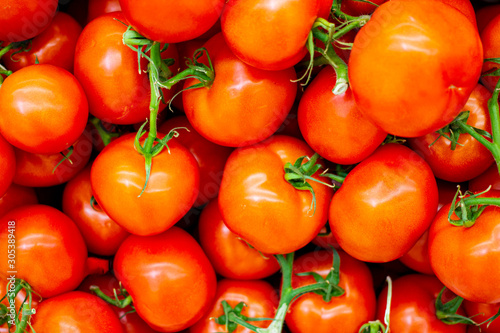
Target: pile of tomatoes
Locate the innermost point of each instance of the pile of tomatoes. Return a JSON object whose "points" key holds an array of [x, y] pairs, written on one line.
{"points": [[249, 165]]}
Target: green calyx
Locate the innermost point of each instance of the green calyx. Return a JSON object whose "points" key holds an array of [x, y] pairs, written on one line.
{"points": [[447, 312], [121, 298], [469, 207]]}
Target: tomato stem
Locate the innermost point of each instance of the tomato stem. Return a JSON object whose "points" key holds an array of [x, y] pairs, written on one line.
{"points": [[105, 135], [116, 301], [21, 318], [6, 49]]}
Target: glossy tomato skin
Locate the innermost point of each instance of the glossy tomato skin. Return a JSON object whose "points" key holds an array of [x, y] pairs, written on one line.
{"points": [[369, 214], [48, 106], [170, 193], [463, 6], [102, 235], [332, 124], [491, 44], [259, 296], [230, 256], [17, 196], [7, 165], [414, 44], [184, 20], [169, 266], [490, 177], [221, 113], [482, 311], [412, 306], [76, 311], [50, 251], [261, 207], [55, 46], [97, 8], [25, 19], [356, 8]]}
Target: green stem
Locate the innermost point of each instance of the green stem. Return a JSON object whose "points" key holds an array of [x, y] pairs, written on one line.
{"points": [[105, 136], [6, 49], [482, 201], [113, 301], [338, 13]]}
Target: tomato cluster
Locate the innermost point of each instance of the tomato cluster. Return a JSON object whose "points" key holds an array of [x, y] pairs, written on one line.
{"points": [[249, 166]]}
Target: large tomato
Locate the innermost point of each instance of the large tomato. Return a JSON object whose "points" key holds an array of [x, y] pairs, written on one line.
{"points": [[244, 105], [491, 44], [17, 196], [48, 107], [370, 213], [7, 165], [407, 68], [97, 8], [260, 206], [482, 311]]}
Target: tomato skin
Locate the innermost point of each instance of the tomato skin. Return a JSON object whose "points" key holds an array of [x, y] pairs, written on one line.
{"points": [[25, 19], [491, 44], [331, 124], [174, 181], [54, 261], [369, 213], [412, 306], [470, 158], [481, 312], [484, 16], [490, 177], [380, 74], [259, 296], [97, 8], [17, 196], [220, 113], [356, 8], [75, 311], [55, 46], [169, 266], [7, 165], [231, 257], [463, 6], [183, 21]]}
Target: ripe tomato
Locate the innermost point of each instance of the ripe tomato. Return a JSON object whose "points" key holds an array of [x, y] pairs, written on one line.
{"points": [[55, 46], [347, 312], [169, 278], [174, 181], [414, 44], [230, 256], [259, 296], [17, 196], [484, 180], [22, 20], [331, 124], [184, 20], [220, 113], [48, 106], [254, 189], [470, 158], [7, 165], [482, 311], [412, 306], [356, 8], [369, 213], [75, 311], [97, 8], [484, 16], [463, 6], [491, 44]]}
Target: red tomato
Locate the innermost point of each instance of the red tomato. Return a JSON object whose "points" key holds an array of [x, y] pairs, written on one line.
{"points": [[347, 312], [55, 46], [357, 8], [97, 8], [369, 213], [480, 312], [253, 189], [491, 44], [211, 158], [484, 180], [48, 106], [331, 124], [484, 16], [7, 165], [22, 20], [230, 256], [260, 299], [102, 235], [463, 6], [470, 158], [169, 278], [414, 44], [117, 92], [184, 20], [325, 239], [221, 113], [174, 182], [412, 306], [17, 196], [76, 311]]}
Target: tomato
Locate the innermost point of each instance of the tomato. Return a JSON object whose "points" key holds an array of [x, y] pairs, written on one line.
{"points": [[491, 44], [7, 165], [484, 180], [230, 256], [413, 44], [484, 16], [55, 46], [480, 312], [25, 19], [463, 6], [184, 20], [413, 306], [48, 106], [220, 113], [38, 170], [253, 189], [369, 214], [174, 182], [456, 252], [332, 124], [169, 278], [117, 92], [97, 8], [50, 253], [325, 238], [75, 311], [283, 27], [259, 296], [211, 158], [357, 8], [17, 196], [470, 158]]}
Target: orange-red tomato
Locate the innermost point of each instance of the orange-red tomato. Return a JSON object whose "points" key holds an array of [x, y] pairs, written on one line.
{"points": [[484, 16], [490, 37], [17, 196], [480, 312], [7, 165], [491, 177], [97, 8]]}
